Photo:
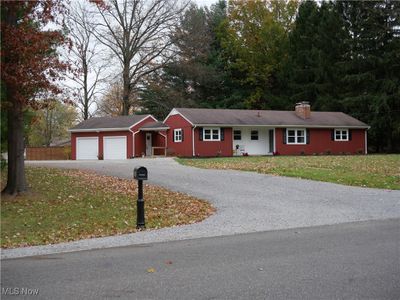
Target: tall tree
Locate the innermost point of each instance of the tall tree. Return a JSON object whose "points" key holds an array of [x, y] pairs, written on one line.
{"points": [[196, 76], [109, 104], [255, 44], [50, 123], [315, 48], [29, 66], [138, 34], [370, 69], [85, 57]]}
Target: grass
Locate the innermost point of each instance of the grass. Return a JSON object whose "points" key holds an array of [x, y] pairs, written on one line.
{"points": [[67, 205], [375, 171]]}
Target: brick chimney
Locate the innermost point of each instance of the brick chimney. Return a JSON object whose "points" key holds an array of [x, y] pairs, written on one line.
{"points": [[303, 110]]}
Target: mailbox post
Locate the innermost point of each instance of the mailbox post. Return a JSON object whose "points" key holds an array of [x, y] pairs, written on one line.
{"points": [[140, 174]]}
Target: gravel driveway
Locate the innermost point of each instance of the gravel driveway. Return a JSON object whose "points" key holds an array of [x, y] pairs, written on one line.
{"points": [[245, 202]]}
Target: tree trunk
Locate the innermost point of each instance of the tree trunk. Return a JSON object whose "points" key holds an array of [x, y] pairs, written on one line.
{"points": [[126, 91], [16, 181], [85, 91]]}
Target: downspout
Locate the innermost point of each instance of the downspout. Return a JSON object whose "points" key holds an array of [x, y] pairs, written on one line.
{"points": [[194, 152], [166, 141], [133, 140]]}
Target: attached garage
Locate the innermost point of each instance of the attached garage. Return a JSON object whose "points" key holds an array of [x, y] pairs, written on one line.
{"points": [[87, 148], [110, 138], [115, 147]]}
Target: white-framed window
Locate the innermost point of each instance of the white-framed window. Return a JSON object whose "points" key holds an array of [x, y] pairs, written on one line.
{"points": [[341, 134], [254, 135], [212, 134], [178, 135], [296, 136], [237, 135]]}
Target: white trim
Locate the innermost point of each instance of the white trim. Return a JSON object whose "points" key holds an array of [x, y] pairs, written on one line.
{"points": [[296, 136], [148, 116], [174, 112], [86, 138], [110, 137], [211, 134], [165, 138], [175, 135], [282, 126], [154, 129], [133, 141], [341, 130], [274, 140], [193, 150], [99, 129], [112, 129]]}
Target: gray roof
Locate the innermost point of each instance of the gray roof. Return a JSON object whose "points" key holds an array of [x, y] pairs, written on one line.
{"points": [[154, 125], [202, 116], [120, 122]]}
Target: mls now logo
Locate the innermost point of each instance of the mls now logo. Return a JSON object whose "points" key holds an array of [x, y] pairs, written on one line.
{"points": [[19, 291]]}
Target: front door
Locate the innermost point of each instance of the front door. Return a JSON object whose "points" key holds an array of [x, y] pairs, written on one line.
{"points": [[271, 140], [148, 143]]}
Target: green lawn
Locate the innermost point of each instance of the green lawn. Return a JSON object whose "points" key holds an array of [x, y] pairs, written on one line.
{"points": [[376, 171], [66, 205]]}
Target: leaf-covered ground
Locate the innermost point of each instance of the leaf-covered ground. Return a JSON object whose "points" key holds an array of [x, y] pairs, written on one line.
{"points": [[68, 205], [376, 171]]}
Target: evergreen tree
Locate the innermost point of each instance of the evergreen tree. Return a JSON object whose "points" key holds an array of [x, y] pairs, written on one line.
{"points": [[315, 47], [371, 68], [196, 77]]}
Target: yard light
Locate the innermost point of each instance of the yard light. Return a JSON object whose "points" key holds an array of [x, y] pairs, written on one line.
{"points": [[140, 174]]}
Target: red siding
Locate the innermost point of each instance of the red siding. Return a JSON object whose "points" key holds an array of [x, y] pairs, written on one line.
{"points": [[183, 148], [139, 139], [100, 135], [321, 142], [211, 148]]}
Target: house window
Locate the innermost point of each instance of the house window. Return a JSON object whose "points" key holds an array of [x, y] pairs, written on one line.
{"points": [[296, 136], [237, 135], [254, 135], [178, 135], [341, 134], [212, 134]]}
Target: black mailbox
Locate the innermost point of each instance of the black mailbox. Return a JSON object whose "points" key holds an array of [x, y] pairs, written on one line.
{"points": [[140, 173]]}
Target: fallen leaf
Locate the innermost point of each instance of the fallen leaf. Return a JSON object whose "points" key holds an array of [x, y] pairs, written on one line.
{"points": [[151, 270]]}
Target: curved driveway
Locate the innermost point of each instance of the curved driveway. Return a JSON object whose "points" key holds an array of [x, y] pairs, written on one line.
{"points": [[245, 201]]}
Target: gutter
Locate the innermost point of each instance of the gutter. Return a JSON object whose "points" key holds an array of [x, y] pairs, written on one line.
{"points": [[194, 152], [283, 126], [166, 141], [99, 129], [133, 140]]}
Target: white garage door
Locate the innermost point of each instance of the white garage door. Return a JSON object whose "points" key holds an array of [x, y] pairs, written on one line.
{"points": [[87, 147], [115, 147]]}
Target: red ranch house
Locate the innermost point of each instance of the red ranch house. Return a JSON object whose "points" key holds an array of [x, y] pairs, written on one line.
{"points": [[229, 132], [200, 132]]}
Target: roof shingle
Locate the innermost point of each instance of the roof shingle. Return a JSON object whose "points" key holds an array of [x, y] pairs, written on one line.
{"points": [[120, 122], [202, 116]]}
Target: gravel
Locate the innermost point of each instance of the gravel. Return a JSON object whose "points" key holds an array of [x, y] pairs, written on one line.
{"points": [[245, 201]]}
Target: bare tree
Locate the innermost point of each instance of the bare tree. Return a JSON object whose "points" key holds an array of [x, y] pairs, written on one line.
{"points": [[110, 103], [85, 58], [138, 32]]}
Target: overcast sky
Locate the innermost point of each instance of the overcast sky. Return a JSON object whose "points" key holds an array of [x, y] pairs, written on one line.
{"points": [[204, 2]]}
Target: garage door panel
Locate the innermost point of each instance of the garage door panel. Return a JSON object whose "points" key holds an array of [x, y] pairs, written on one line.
{"points": [[115, 147], [87, 148]]}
